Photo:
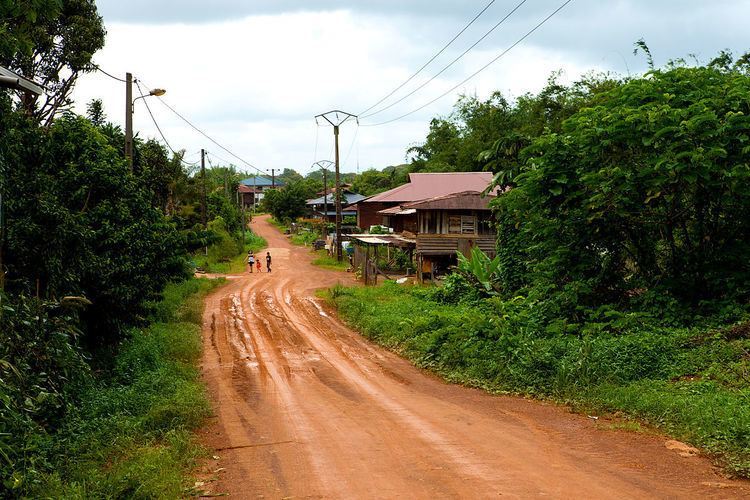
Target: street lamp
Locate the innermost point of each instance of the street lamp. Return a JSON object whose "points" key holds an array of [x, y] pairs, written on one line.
{"points": [[129, 109]]}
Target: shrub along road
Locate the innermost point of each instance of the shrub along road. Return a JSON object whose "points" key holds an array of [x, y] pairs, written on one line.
{"points": [[306, 407]]}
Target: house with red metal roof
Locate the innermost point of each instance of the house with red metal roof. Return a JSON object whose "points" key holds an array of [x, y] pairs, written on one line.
{"points": [[443, 213], [382, 209]]}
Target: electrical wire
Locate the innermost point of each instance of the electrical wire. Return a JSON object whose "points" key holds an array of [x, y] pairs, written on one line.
{"points": [[109, 75], [529, 33], [138, 85], [204, 134], [351, 146], [454, 61], [431, 59]]}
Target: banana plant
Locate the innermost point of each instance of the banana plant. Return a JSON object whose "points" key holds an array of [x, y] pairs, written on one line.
{"points": [[481, 270]]}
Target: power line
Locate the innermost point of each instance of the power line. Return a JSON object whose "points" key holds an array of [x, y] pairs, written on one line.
{"points": [[204, 134], [454, 61], [351, 146], [432, 58], [561, 7], [154, 119], [174, 153], [110, 75]]}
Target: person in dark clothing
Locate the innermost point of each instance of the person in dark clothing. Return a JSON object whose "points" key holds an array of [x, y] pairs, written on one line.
{"points": [[268, 261]]}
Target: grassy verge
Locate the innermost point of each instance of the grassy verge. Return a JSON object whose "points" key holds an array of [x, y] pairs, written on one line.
{"points": [[131, 435], [327, 262], [687, 382], [278, 224]]}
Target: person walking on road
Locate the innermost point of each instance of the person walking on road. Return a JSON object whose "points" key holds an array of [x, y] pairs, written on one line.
{"points": [[268, 261], [251, 260], [257, 263]]}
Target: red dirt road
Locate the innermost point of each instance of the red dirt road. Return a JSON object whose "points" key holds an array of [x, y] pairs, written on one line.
{"points": [[307, 408]]}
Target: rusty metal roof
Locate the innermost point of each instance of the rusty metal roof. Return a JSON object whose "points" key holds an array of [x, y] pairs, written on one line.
{"points": [[422, 186], [467, 200]]}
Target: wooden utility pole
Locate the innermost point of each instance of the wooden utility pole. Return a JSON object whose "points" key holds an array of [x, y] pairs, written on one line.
{"points": [[336, 118], [323, 165], [273, 178], [204, 194], [325, 195], [129, 119]]}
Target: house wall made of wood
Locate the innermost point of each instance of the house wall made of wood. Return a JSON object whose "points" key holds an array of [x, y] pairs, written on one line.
{"points": [[367, 213], [458, 222], [446, 232]]}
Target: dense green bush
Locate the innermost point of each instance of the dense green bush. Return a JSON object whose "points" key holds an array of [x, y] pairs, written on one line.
{"points": [[646, 189], [65, 433]]}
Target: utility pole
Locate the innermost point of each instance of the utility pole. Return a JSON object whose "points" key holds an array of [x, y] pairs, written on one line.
{"points": [[323, 164], [337, 118], [273, 178], [204, 195], [325, 195], [129, 119]]}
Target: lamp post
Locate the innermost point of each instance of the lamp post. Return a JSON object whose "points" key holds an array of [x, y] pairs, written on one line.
{"points": [[129, 109]]}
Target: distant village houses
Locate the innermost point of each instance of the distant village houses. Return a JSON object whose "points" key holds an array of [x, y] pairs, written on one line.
{"points": [[435, 214], [251, 190]]}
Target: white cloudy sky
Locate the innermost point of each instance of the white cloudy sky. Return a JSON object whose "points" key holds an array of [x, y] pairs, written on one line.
{"points": [[252, 74]]}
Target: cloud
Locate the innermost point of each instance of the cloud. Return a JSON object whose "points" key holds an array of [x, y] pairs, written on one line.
{"points": [[253, 74]]}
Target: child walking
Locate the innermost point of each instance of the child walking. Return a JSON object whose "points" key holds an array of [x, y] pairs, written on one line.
{"points": [[268, 261], [251, 260]]}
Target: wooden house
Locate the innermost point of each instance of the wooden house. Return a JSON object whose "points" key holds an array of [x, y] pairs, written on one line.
{"points": [[450, 224], [388, 209]]}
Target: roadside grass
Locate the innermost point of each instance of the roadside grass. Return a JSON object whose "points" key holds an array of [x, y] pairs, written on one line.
{"points": [[689, 383], [278, 224], [305, 238], [328, 262], [236, 264], [131, 435]]}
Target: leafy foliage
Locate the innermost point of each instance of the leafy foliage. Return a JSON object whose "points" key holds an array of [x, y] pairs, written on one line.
{"points": [[646, 189], [51, 42], [480, 269]]}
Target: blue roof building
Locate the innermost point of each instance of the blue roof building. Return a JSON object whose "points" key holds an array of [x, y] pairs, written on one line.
{"points": [[261, 182]]}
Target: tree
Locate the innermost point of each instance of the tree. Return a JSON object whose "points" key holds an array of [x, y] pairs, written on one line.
{"points": [[649, 187], [51, 42], [289, 202], [80, 223]]}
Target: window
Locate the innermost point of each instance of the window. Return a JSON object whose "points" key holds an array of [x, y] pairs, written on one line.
{"points": [[468, 224], [454, 224]]}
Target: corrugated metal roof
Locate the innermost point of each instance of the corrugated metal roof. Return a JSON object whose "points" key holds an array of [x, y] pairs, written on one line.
{"points": [[261, 181], [467, 200], [348, 199], [383, 239], [397, 211], [13, 80], [430, 185]]}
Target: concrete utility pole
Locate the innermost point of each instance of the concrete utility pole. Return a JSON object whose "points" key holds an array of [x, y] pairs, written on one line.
{"points": [[129, 119], [337, 118]]}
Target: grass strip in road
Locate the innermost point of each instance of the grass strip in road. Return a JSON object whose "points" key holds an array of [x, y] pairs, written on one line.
{"points": [[132, 434], [690, 383]]}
